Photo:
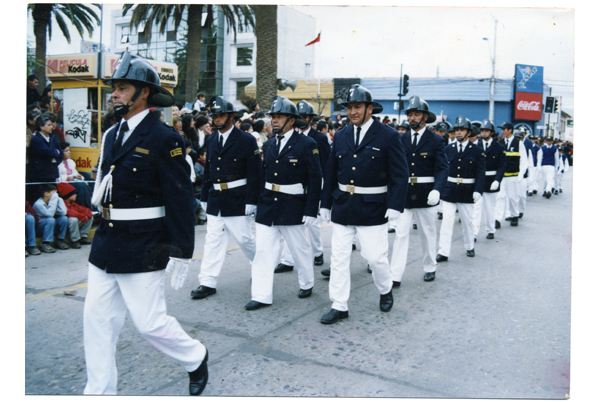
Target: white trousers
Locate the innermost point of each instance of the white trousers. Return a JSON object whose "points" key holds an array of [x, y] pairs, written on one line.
{"points": [[548, 173], [532, 180], [558, 180], [218, 229], [314, 235], [500, 207], [477, 212], [108, 299], [522, 194], [465, 212], [267, 252], [374, 249], [512, 187], [488, 220], [425, 219]]}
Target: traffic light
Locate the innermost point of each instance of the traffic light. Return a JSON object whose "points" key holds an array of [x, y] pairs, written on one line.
{"points": [[556, 106], [405, 85], [549, 104]]}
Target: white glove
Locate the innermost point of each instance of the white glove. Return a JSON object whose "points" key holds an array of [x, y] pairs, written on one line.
{"points": [[476, 197], [179, 266], [392, 214], [204, 205], [326, 215], [433, 198], [309, 220], [495, 185], [250, 209]]}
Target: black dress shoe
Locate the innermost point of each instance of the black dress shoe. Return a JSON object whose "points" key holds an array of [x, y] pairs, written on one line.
{"points": [[199, 377], [414, 225], [318, 260], [441, 258], [255, 305], [498, 225], [353, 247], [386, 302], [304, 293], [471, 253], [202, 292], [429, 276], [333, 316], [391, 230], [514, 221], [529, 193], [521, 215], [534, 191], [508, 219], [326, 272], [560, 191], [440, 216], [489, 236], [369, 270], [283, 268], [396, 284]]}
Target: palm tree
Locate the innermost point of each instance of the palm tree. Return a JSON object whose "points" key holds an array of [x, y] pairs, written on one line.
{"points": [[81, 17], [266, 54], [159, 14]]}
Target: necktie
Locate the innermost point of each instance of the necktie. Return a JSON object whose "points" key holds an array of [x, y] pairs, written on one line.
{"points": [[119, 140], [486, 145], [357, 136], [460, 149], [415, 141], [279, 139], [220, 141]]}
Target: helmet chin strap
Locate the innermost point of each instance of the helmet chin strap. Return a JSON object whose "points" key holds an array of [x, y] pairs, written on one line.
{"points": [[123, 110], [307, 123]]}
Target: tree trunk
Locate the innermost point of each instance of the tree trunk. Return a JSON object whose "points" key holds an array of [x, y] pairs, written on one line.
{"points": [[41, 18], [193, 51], [266, 54]]}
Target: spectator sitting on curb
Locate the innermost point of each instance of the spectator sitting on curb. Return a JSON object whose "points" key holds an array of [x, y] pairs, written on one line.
{"points": [[67, 171], [52, 215], [80, 218], [30, 224]]}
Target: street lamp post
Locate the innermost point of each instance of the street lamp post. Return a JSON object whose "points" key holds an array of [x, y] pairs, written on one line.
{"points": [[493, 79]]}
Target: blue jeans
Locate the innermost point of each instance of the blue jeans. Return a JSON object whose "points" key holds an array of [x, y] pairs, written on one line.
{"points": [[50, 226], [29, 231]]}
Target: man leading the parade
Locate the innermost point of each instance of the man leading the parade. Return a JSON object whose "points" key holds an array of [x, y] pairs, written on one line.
{"points": [[145, 194], [364, 187]]}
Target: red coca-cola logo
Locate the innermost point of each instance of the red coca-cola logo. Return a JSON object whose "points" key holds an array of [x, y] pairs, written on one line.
{"points": [[533, 106]]}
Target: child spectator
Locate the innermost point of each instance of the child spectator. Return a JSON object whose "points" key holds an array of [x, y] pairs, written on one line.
{"points": [[80, 218], [30, 223], [67, 171], [52, 215]]}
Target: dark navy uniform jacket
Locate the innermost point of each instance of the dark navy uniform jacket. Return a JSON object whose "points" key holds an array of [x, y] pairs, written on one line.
{"points": [[323, 146], [495, 160], [378, 161], [298, 162], [238, 159], [469, 165], [44, 158], [428, 159], [149, 170]]}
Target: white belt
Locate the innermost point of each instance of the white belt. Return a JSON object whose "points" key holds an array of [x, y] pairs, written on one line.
{"points": [[460, 180], [362, 190], [416, 179], [490, 173], [132, 214], [231, 184], [293, 189]]}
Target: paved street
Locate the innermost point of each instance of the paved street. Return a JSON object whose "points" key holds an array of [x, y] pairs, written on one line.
{"points": [[494, 326]]}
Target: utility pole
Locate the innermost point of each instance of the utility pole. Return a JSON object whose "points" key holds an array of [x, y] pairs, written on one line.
{"points": [[493, 79], [400, 94]]}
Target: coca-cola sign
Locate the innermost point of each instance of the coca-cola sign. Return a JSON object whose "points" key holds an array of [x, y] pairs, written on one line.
{"points": [[528, 106]]}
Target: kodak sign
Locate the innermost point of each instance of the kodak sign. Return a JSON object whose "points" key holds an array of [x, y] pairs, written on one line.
{"points": [[81, 65]]}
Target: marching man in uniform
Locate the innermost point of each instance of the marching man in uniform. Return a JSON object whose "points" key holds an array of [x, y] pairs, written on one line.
{"points": [[229, 193], [466, 180], [495, 164], [307, 114], [291, 187], [428, 173], [144, 190], [364, 187], [548, 155]]}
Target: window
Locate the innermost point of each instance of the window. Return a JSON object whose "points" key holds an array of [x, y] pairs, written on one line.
{"points": [[125, 34], [240, 86], [244, 56]]}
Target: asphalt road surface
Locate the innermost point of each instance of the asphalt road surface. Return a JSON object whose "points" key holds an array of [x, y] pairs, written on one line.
{"points": [[493, 326]]}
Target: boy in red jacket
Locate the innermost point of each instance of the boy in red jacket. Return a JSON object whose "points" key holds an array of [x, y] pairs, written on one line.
{"points": [[80, 217]]}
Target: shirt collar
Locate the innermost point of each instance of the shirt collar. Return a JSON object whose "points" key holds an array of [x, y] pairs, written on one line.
{"points": [[365, 127], [420, 132], [226, 133], [134, 120]]}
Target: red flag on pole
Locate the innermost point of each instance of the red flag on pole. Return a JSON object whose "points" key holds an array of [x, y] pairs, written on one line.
{"points": [[317, 39]]}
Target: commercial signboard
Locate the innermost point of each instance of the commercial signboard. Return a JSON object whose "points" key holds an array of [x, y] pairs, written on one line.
{"points": [[166, 71], [79, 65], [529, 88]]}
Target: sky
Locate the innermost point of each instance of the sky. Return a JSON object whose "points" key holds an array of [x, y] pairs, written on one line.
{"points": [[377, 41]]}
